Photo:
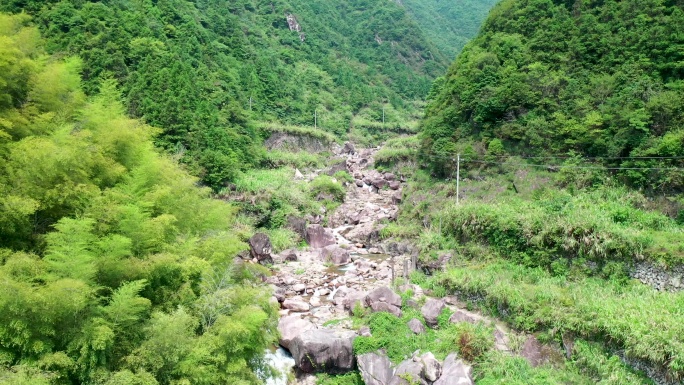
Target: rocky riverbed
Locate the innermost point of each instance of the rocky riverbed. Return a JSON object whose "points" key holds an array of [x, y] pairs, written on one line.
{"points": [[346, 265]]}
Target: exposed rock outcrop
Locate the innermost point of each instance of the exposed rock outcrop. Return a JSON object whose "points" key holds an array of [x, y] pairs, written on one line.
{"points": [[260, 248], [291, 326], [323, 350], [375, 369]]}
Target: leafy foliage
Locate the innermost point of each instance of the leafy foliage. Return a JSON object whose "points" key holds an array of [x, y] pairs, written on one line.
{"points": [[106, 268], [204, 71], [600, 78]]}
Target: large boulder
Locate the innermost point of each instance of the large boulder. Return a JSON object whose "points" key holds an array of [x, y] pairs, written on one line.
{"points": [[353, 298], [409, 372], [323, 350], [260, 248], [335, 254], [384, 299], [375, 369], [296, 305], [383, 294], [348, 148], [455, 372], [379, 183], [432, 369], [416, 326], [319, 237], [431, 311], [298, 225], [290, 327]]}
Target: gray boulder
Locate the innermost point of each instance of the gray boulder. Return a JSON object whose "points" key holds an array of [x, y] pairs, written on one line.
{"points": [[319, 237], [296, 305], [416, 326], [409, 372], [352, 298], [384, 299], [375, 369], [383, 294], [292, 326], [431, 311], [323, 350], [336, 255], [379, 183], [383, 306], [348, 148], [455, 372], [394, 185], [432, 369], [260, 248]]}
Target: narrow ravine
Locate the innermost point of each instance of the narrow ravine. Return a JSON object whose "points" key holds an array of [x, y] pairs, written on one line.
{"points": [[347, 265]]}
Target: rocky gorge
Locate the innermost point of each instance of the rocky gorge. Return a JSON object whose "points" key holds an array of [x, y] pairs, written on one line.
{"points": [[347, 266]]}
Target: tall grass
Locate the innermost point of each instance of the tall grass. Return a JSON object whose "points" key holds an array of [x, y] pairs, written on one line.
{"points": [[645, 323]]}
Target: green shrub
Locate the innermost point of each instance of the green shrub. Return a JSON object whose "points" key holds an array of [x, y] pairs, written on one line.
{"points": [[324, 186]]}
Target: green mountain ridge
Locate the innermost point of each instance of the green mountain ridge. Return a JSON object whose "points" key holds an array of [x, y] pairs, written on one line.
{"points": [[599, 79], [449, 24], [203, 71]]}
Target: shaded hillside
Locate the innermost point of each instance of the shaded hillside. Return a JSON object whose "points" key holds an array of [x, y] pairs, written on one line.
{"points": [[449, 24], [202, 71], [601, 79]]}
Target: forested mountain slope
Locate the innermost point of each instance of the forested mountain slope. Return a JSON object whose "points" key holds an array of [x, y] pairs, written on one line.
{"points": [[197, 69], [108, 275], [449, 24], [601, 79]]}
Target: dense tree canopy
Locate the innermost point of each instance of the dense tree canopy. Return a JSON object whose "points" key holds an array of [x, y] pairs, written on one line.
{"points": [[202, 71], [108, 275], [594, 78], [449, 24]]}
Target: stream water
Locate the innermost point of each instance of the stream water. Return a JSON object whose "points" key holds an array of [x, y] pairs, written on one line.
{"points": [[283, 363]]}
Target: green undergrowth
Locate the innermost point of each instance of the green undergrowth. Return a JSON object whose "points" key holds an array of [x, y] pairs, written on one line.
{"points": [[269, 197], [529, 218], [351, 378], [299, 130], [300, 160], [397, 151], [395, 337], [631, 317], [604, 226], [475, 343]]}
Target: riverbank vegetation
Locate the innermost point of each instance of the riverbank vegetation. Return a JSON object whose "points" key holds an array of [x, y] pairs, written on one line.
{"points": [[108, 275]]}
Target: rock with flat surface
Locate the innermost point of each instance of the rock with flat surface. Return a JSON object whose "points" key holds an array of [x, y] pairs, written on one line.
{"points": [[431, 311], [532, 351], [383, 306], [291, 326], [455, 372], [323, 350], [296, 305], [394, 185], [462, 315], [375, 369], [319, 237]]}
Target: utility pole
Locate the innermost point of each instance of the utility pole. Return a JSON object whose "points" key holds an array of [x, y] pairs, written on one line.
{"points": [[250, 103], [458, 176], [315, 119], [383, 114]]}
